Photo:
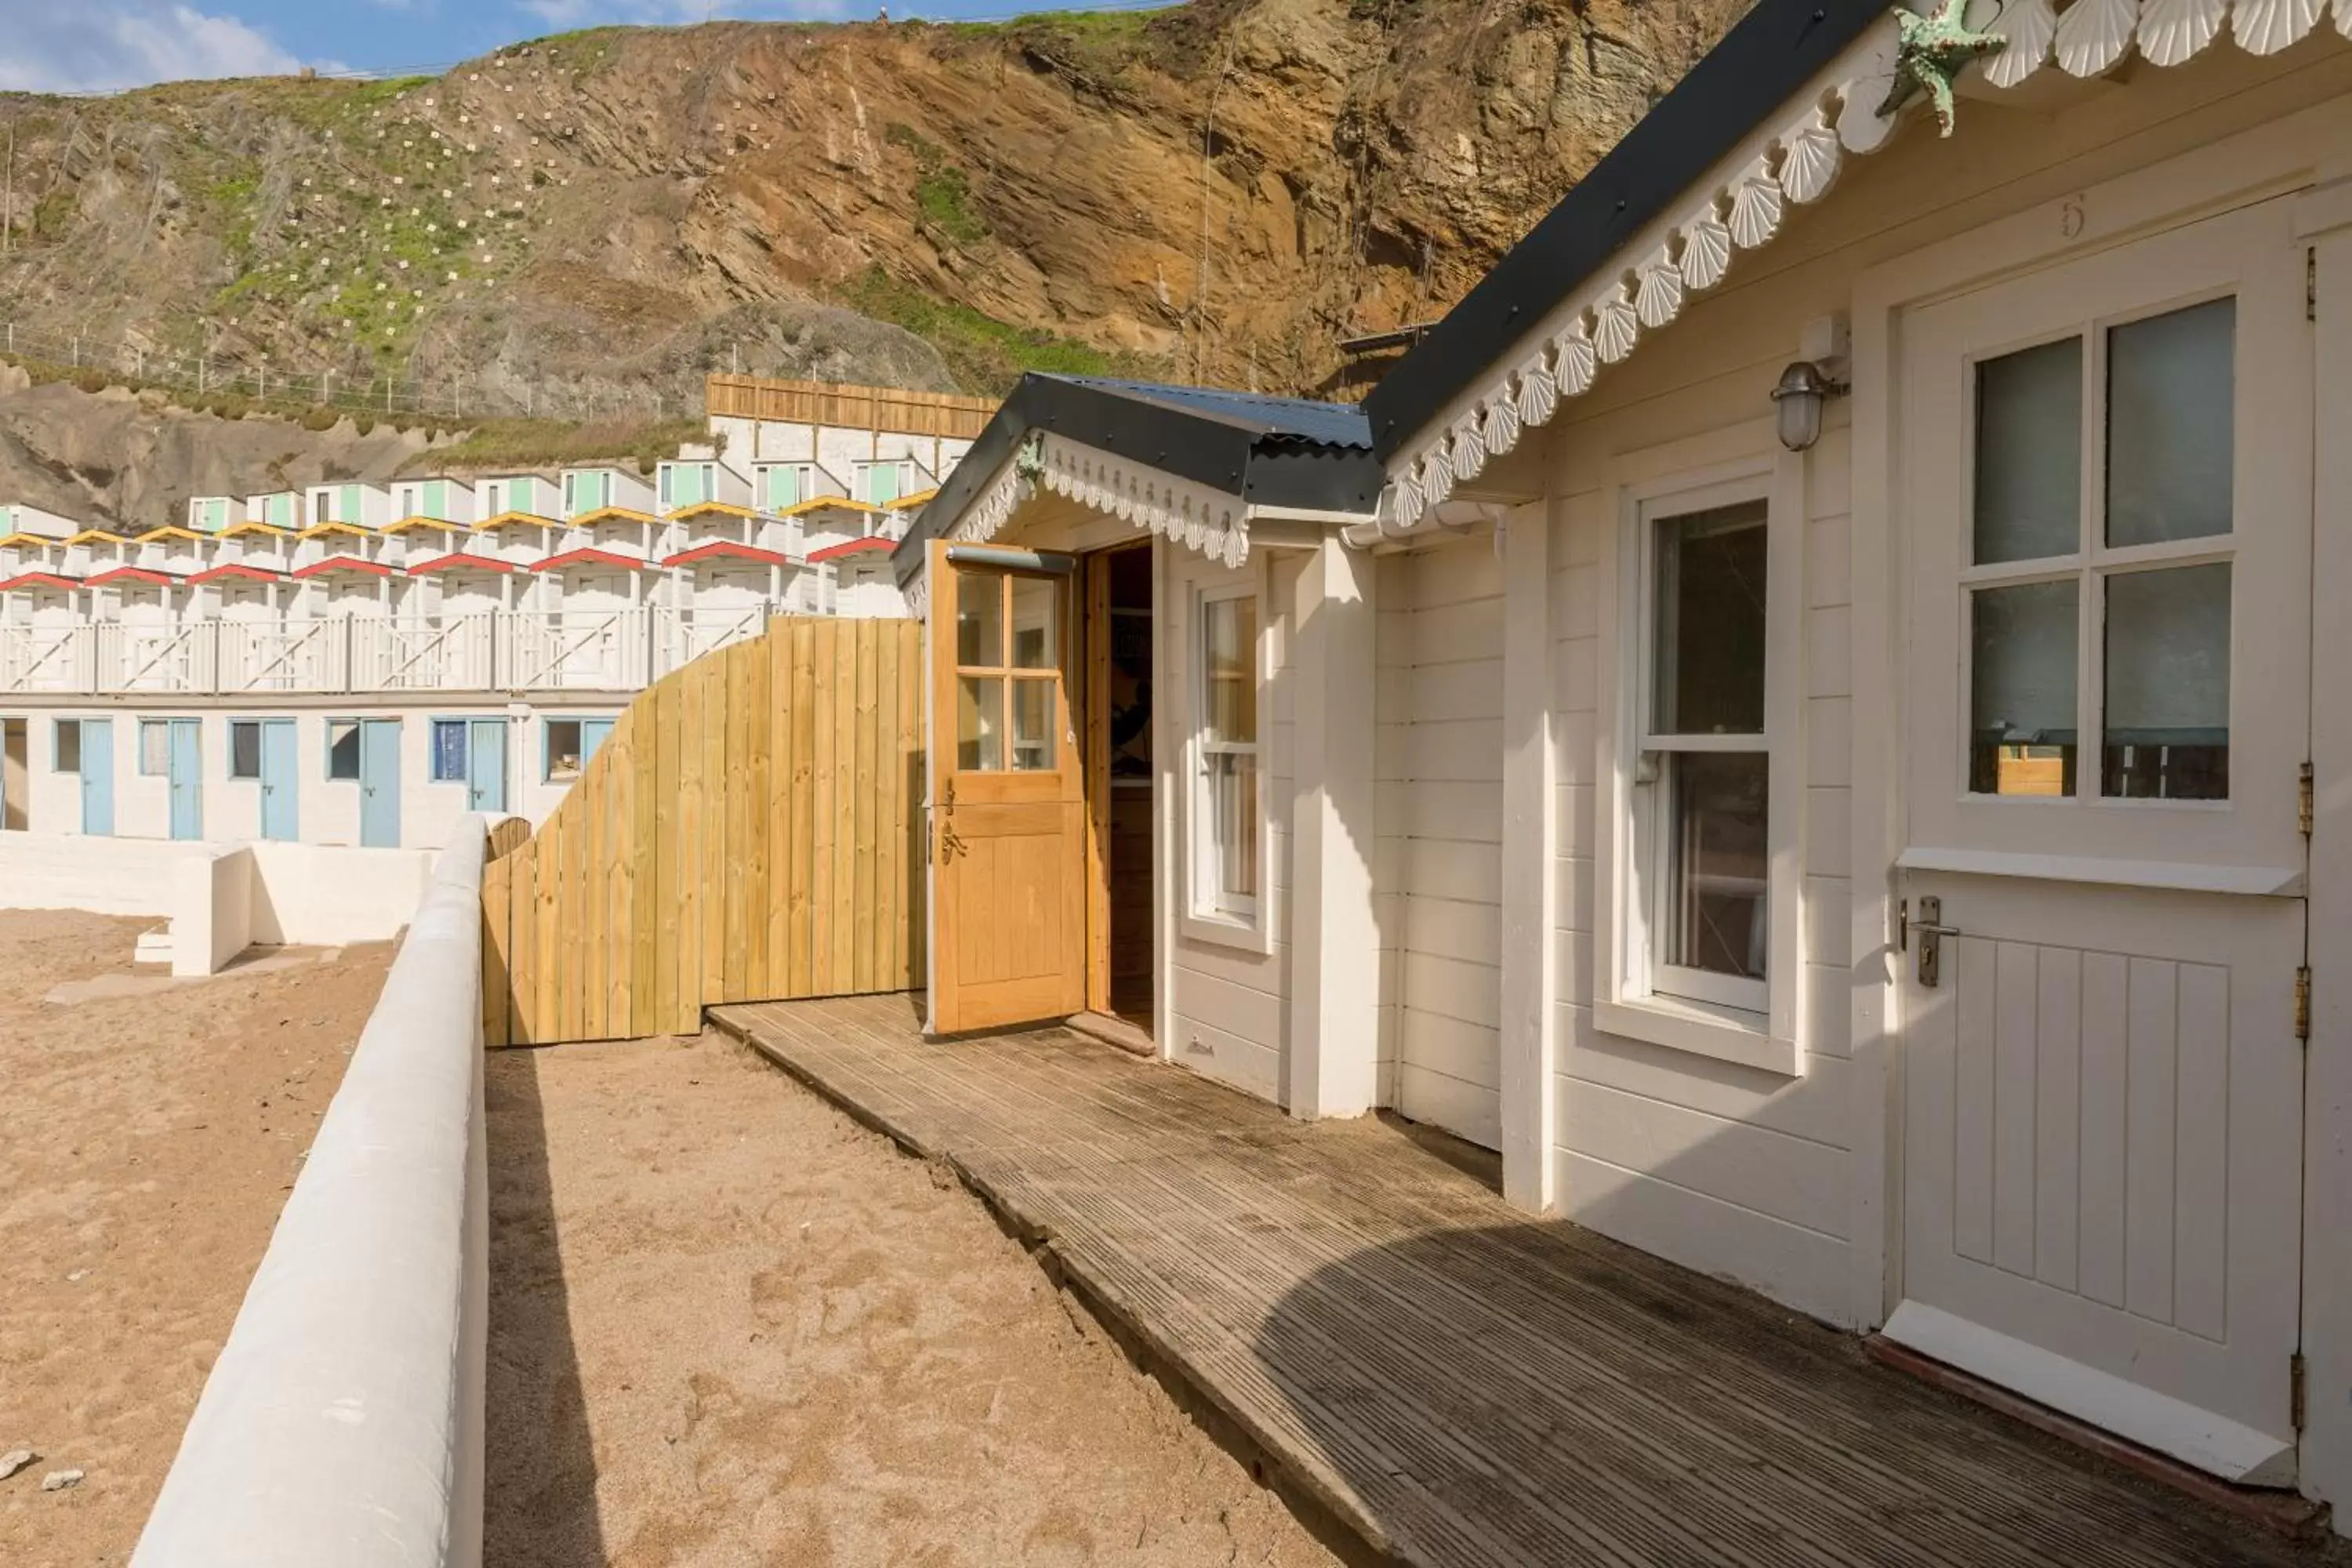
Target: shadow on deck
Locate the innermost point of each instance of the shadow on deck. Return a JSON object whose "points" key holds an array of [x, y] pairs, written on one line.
{"points": [[1456, 1383]]}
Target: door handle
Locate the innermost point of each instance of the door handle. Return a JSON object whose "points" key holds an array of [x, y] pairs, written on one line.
{"points": [[1931, 930]]}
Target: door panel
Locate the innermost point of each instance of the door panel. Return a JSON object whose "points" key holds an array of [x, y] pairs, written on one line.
{"points": [[97, 776], [279, 818], [380, 783], [1009, 808], [2108, 677], [186, 779], [485, 765]]}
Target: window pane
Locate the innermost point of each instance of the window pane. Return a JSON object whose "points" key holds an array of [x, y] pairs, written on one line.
{"points": [[563, 750], [1033, 726], [155, 748], [244, 750], [980, 724], [449, 751], [1231, 786], [2171, 425], [2029, 500], [1036, 632], [67, 753], [2021, 707], [1718, 863], [1709, 676], [1228, 646], [979, 618], [343, 749], [2167, 679]]}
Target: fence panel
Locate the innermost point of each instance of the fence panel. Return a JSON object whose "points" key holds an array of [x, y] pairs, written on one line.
{"points": [[751, 830]]}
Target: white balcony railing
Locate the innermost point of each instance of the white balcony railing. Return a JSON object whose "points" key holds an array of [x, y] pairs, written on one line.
{"points": [[47, 658], [497, 650]]}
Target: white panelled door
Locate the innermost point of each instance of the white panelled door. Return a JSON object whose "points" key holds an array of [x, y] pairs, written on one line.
{"points": [[2106, 510]]}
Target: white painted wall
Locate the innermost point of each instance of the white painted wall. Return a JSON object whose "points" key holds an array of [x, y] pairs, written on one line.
{"points": [[1226, 1005], [344, 1422], [222, 896], [1438, 761], [327, 810]]}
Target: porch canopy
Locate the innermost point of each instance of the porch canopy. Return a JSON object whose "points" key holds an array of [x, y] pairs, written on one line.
{"points": [[1196, 465]]}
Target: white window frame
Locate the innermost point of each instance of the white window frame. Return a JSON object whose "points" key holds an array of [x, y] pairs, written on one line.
{"points": [[1755, 1023], [1242, 923]]}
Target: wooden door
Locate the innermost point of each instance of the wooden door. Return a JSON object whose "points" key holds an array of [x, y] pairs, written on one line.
{"points": [[2107, 506], [97, 776], [1008, 802], [185, 777], [280, 782], [380, 783]]}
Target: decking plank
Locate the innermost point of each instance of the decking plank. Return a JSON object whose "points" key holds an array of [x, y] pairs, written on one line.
{"points": [[1457, 1382]]}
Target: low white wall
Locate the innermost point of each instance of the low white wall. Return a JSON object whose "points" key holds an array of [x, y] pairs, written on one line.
{"points": [[343, 1421], [103, 876], [328, 894], [212, 910], [220, 897]]}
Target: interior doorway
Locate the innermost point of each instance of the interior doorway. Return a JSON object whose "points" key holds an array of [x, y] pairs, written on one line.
{"points": [[1121, 784]]}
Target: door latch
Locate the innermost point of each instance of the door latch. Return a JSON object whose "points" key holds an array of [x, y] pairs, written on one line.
{"points": [[1931, 931]]}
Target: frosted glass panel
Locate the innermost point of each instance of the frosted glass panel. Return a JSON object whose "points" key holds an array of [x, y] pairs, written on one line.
{"points": [[1709, 675], [2167, 678], [2171, 430], [2021, 690], [2029, 500]]}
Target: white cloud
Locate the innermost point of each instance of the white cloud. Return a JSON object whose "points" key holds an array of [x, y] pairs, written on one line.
{"points": [[92, 45]]}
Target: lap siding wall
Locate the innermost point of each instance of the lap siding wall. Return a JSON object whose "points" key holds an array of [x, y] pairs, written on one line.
{"points": [[1741, 1173], [1439, 708], [1229, 1007]]}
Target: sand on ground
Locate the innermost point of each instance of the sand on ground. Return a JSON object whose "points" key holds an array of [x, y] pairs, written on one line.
{"points": [[150, 1129], [730, 1326]]}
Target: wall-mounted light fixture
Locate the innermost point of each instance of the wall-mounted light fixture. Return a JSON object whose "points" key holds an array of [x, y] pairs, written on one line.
{"points": [[1797, 400]]}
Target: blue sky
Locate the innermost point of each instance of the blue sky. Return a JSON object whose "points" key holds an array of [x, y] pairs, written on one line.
{"points": [[81, 45]]}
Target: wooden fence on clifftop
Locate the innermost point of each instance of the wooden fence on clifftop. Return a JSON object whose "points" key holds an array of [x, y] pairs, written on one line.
{"points": [[751, 830]]}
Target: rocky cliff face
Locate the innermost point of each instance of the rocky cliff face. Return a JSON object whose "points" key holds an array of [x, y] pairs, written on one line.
{"points": [[116, 460], [1218, 192]]}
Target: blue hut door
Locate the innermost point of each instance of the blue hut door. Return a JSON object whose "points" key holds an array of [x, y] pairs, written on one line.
{"points": [[279, 818], [187, 780], [97, 776], [485, 765], [380, 783]]}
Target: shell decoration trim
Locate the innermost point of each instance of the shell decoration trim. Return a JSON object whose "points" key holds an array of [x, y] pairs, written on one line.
{"points": [[1910, 55]]}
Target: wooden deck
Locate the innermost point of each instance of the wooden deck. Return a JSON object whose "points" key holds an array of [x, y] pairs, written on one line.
{"points": [[1456, 1383]]}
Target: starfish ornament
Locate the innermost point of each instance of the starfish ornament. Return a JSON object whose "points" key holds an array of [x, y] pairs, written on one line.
{"points": [[1931, 53]]}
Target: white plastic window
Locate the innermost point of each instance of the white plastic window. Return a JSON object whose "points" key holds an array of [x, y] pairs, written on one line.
{"points": [[1227, 804]]}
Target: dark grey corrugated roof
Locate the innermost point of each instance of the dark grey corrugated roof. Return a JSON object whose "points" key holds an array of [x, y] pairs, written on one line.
{"points": [[1331, 424], [1267, 451]]}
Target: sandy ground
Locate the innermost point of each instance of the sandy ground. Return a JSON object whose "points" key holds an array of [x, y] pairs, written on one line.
{"points": [[729, 1326], [149, 1132]]}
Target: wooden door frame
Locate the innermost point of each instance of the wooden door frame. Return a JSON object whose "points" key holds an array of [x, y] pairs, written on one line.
{"points": [[1094, 690], [1094, 736]]}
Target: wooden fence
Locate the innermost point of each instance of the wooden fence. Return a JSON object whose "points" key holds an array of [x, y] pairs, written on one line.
{"points": [[751, 830], [846, 407]]}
